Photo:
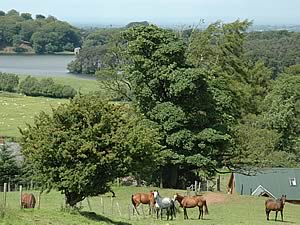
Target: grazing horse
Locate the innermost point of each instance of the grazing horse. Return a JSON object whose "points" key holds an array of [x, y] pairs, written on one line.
{"points": [[27, 201], [164, 203], [143, 198], [275, 205], [191, 202]]}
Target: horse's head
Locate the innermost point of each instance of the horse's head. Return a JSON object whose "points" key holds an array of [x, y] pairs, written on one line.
{"points": [[283, 198], [155, 194], [175, 197]]}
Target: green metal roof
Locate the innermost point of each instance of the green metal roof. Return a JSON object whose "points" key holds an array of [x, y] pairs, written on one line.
{"points": [[275, 180]]}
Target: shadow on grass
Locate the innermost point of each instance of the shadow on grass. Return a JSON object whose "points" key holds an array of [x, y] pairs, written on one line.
{"points": [[96, 217], [279, 221]]}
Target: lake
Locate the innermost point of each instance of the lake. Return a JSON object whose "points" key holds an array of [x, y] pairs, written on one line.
{"points": [[37, 65]]}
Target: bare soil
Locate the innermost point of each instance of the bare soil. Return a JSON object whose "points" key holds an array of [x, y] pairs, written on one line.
{"points": [[215, 197]]}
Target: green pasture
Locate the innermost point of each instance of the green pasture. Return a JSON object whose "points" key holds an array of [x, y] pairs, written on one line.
{"points": [[17, 110], [234, 210], [81, 84]]}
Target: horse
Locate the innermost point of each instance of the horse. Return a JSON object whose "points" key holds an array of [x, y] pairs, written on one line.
{"points": [[164, 203], [27, 201], [275, 205], [191, 202], [143, 198]]}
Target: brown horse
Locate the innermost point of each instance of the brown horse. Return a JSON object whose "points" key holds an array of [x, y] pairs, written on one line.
{"points": [[275, 205], [191, 202], [143, 198], [27, 201]]}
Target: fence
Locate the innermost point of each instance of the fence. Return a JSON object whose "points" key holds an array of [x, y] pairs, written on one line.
{"points": [[204, 185]]}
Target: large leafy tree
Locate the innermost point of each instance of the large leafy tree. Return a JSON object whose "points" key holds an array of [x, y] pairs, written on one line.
{"points": [[177, 97], [85, 145]]}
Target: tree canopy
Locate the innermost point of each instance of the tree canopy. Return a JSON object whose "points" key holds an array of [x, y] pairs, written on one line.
{"points": [[86, 144]]}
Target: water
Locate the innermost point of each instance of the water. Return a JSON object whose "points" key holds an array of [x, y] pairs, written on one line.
{"points": [[37, 65]]}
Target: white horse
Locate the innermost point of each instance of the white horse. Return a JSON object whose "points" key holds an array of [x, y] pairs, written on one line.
{"points": [[164, 203]]}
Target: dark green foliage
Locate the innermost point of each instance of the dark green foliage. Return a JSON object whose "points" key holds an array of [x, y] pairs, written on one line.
{"points": [[30, 86], [26, 16], [133, 24], [9, 169], [97, 52], [88, 61], [45, 35], [39, 16], [177, 97], [281, 112], [8, 82], [45, 87], [277, 49], [87, 144]]}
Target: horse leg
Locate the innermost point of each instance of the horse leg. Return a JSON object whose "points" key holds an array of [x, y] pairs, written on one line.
{"points": [[184, 213], [267, 213], [281, 215], [199, 212], [135, 209], [276, 215], [157, 211], [168, 213]]}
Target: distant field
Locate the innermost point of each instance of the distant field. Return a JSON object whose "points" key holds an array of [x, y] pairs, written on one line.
{"points": [[17, 110], [81, 84], [232, 210]]}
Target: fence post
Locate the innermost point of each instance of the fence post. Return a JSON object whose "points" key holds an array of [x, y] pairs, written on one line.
{"points": [[21, 196], [195, 187], [102, 203], [118, 206], [39, 200], [4, 194], [89, 204], [112, 205], [206, 185], [219, 183]]}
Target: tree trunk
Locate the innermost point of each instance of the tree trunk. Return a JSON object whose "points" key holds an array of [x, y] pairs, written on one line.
{"points": [[73, 198], [170, 176]]}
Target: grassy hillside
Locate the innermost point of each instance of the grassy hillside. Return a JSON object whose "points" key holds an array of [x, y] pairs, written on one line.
{"points": [[17, 110], [232, 209]]}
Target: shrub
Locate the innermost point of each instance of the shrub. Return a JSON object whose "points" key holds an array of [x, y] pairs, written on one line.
{"points": [[8, 82]]}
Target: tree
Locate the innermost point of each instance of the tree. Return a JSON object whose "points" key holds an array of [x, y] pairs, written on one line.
{"points": [[12, 12], [82, 146], [8, 165], [8, 82], [26, 16], [281, 112], [175, 96], [39, 17]]}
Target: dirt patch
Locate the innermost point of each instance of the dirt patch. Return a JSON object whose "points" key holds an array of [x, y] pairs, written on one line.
{"points": [[215, 197]]}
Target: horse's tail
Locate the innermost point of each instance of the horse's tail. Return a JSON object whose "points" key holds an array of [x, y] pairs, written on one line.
{"points": [[206, 209]]}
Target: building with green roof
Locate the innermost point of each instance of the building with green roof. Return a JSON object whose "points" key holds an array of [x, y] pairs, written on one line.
{"points": [[273, 182]]}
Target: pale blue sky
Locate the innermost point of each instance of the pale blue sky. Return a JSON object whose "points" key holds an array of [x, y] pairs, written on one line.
{"points": [[161, 11]]}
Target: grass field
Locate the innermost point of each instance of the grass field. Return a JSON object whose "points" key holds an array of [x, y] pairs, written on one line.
{"points": [[234, 210], [17, 110]]}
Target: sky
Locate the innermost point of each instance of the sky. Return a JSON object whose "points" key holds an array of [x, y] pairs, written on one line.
{"points": [[161, 12]]}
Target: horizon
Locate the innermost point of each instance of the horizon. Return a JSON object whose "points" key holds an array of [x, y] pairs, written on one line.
{"points": [[163, 12]]}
